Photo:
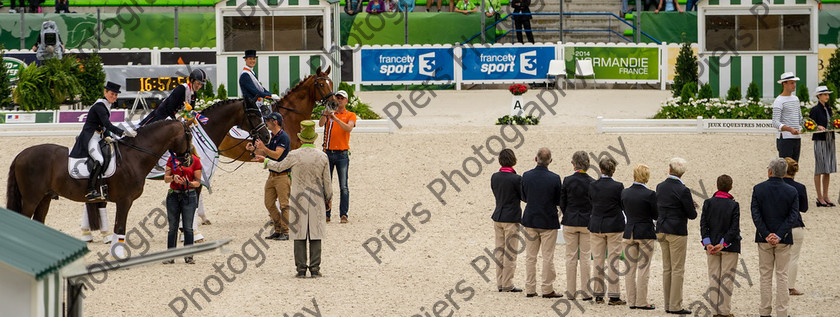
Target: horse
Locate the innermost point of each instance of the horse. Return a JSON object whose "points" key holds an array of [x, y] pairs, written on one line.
{"points": [[39, 174], [221, 116], [295, 106]]}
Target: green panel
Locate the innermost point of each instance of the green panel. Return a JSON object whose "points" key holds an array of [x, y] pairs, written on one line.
{"points": [[230, 3], [272, 2], [778, 1], [423, 28], [314, 2], [757, 1], [757, 70], [735, 2], [735, 72], [714, 75], [273, 72], [714, 2], [232, 72], [294, 70], [293, 2], [800, 2], [251, 2], [669, 26], [196, 29], [256, 70], [778, 69], [802, 70], [45, 250], [314, 63]]}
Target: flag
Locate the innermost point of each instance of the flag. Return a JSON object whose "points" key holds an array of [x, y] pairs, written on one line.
{"points": [[200, 117]]}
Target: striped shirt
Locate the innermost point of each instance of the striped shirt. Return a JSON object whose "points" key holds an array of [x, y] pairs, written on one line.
{"points": [[786, 113]]}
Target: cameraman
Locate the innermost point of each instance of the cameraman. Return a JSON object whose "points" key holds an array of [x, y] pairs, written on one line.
{"points": [[337, 126]]}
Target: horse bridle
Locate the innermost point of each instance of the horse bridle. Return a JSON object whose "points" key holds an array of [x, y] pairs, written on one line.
{"points": [[251, 134], [315, 92]]}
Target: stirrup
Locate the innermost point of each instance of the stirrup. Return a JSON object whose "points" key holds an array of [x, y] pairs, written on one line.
{"points": [[94, 196]]}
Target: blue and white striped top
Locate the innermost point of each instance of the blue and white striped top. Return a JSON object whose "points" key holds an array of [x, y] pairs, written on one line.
{"points": [[786, 113]]}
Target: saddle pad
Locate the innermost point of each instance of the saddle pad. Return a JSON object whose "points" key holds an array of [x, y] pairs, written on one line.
{"points": [[77, 167], [238, 133]]}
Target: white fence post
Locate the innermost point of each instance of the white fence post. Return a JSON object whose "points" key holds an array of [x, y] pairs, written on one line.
{"points": [[700, 127], [599, 126]]}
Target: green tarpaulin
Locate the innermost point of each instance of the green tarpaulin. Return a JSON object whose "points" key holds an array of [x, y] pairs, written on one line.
{"points": [[423, 28]]}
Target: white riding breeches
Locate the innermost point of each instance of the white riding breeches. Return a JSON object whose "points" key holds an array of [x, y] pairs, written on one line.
{"points": [[94, 151]]}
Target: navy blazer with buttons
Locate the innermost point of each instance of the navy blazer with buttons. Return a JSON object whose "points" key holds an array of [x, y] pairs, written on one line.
{"points": [[675, 207], [607, 214], [507, 189], [721, 219], [774, 208], [640, 207], [803, 200], [574, 200], [541, 193]]}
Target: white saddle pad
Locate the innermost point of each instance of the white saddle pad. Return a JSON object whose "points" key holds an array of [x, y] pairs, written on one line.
{"points": [[77, 167], [238, 133]]}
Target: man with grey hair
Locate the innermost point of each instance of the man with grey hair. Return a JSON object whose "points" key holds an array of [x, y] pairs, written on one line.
{"points": [[774, 207], [673, 199], [541, 190]]}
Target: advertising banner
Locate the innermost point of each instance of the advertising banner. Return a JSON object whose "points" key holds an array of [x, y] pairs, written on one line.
{"points": [[408, 65], [617, 63], [506, 64], [80, 116], [27, 117]]}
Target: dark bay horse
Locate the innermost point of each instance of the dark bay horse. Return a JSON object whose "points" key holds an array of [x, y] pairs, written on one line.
{"points": [[39, 173], [221, 117], [295, 106]]}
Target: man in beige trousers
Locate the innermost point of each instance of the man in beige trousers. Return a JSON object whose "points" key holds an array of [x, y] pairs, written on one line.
{"points": [[311, 189], [541, 193], [774, 207]]}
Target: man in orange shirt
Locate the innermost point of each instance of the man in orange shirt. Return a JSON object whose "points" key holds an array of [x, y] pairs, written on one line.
{"points": [[337, 126]]}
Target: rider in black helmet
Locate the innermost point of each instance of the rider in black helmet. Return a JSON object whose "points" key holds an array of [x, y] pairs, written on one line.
{"points": [[175, 102]]}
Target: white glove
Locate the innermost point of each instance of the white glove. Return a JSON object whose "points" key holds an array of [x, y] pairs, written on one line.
{"points": [[275, 97], [129, 133]]}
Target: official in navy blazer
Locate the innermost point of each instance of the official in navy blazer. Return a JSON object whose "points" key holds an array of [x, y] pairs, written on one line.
{"points": [[720, 232], [541, 193], [639, 234], [576, 208], [774, 208], [507, 189], [675, 209], [798, 227], [606, 226]]}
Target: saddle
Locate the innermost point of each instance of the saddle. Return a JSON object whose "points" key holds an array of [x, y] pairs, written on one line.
{"points": [[80, 168]]}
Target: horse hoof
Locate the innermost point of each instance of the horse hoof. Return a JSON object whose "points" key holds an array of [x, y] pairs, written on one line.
{"points": [[107, 238], [199, 241], [86, 236]]}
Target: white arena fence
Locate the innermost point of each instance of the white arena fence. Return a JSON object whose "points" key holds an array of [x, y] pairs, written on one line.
{"points": [[687, 126]]}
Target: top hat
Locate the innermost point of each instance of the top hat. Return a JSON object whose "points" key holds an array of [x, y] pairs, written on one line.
{"points": [[250, 53], [307, 132], [113, 87], [787, 76]]}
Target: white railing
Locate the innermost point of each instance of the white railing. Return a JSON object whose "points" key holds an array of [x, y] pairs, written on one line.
{"points": [[698, 125]]}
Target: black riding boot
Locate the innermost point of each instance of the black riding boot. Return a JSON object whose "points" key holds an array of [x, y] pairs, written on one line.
{"points": [[94, 181]]}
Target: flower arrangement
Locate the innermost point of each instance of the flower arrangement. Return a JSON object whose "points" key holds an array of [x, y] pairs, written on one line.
{"points": [[809, 126], [521, 120], [835, 123], [518, 89]]}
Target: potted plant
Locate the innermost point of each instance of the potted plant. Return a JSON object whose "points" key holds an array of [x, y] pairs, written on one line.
{"points": [[517, 104]]}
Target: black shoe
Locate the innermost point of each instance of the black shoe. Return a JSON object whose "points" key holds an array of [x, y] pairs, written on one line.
{"points": [[315, 274], [552, 295], [679, 312], [301, 274], [586, 298], [170, 261], [514, 290], [648, 307], [189, 260], [599, 300], [615, 301], [275, 236], [531, 295], [819, 204], [283, 237]]}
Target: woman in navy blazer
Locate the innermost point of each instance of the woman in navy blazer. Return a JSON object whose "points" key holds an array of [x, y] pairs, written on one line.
{"points": [[639, 234], [507, 188], [606, 225], [721, 234]]}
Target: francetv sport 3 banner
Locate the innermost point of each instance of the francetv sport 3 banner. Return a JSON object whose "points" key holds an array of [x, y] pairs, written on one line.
{"points": [[506, 63], [407, 65]]}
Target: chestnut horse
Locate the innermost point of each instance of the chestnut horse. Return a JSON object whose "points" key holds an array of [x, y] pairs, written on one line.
{"points": [[220, 118], [295, 106], [39, 173]]}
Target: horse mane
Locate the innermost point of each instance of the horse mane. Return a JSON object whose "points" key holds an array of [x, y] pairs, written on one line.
{"points": [[153, 125], [220, 103], [302, 80]]}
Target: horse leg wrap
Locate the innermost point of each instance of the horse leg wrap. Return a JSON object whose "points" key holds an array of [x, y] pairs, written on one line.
{"points": [[118, 246], [103, 221]]}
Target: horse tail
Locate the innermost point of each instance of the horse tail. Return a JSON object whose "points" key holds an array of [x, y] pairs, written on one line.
{"points": [[13, 196]]}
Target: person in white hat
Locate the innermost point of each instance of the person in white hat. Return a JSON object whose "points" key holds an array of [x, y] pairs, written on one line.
{"points": [[824, 150], [787, 118]]}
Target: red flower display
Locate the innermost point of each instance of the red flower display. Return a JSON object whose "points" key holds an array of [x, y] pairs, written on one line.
{"points": [[517, 89]]}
